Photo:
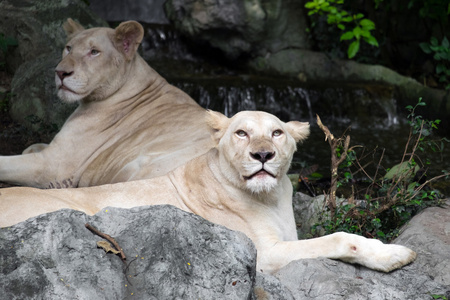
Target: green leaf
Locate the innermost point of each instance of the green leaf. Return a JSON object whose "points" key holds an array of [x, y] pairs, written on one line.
{"points": [[310, 5], [347, 36], [434, 41], [347, 19], [425, 48], [365, 33], [332, 9], [437, 56], [367, 24], [445, 43], [353, 49], [371, 41], [357, 32], [440, 68], [341, 26], [359, 16], [380, 234]]}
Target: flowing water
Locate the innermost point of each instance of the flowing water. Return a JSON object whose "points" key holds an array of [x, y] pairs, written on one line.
{"points": [[367, 112]]}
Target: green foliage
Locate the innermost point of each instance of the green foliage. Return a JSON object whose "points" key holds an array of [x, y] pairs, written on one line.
{"points": [[387, 201], [437, 10], [439, 297], [441, 56], [356, 28], [424, 128]]}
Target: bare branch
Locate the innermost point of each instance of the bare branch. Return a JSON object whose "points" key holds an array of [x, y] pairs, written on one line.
{"points": [[107, 237]]}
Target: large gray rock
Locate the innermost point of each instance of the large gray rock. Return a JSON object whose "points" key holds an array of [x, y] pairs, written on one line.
{"points": [[37, 27], [241, 27], [428, 234], [314, 66], [148, 11], [171, 254], [272, 37]]}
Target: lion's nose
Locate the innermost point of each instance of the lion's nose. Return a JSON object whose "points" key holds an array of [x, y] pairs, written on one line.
{"points": [[63, 74], [262, 156]]}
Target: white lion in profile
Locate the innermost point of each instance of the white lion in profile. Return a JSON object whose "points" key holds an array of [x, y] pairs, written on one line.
{"points": [[130, 123]]}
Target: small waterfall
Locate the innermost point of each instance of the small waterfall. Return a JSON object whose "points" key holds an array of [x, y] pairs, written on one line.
{"points": [[215, 87], [231, 96], [369, 110]]}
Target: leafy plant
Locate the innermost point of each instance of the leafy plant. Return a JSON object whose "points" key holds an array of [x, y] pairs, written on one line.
{"points": [[441, 55], [355, 27], [386, 202], [439, 297]]}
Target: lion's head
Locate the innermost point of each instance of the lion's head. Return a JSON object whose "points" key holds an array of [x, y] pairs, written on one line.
{"points": [[256, 148], [95, 61]]}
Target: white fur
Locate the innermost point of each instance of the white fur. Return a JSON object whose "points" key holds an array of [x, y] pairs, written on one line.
{"points": [[215, 187]]}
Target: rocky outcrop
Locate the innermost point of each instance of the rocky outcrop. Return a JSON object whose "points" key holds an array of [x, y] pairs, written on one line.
{"points": [[271, 36], [148, 11], [172, 254], [428, 234], [241, 27], [37, 28], [315, 66]]}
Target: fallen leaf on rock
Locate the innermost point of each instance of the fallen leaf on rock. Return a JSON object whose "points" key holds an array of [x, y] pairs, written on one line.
{"points": [[107, 247]]}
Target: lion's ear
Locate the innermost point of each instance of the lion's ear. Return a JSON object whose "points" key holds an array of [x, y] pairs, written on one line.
{"points": [[127, 37], [71, 27], [218, 123], [298, 130]]}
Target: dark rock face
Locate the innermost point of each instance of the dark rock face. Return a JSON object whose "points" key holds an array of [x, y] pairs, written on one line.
{"points": [[37, 28], [148, 11], [171, 254], [241, 27]]}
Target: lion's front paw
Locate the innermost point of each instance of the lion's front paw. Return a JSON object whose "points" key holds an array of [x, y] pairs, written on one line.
{"points": [[390, 257]]}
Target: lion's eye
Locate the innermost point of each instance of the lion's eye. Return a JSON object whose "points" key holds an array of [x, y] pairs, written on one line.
{"points": [[277, 132], [68, 48], [241, 133], [94, 52]]}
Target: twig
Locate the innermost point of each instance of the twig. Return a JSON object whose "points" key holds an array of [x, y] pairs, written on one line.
{"points": [[335, 161], [109, 238]]}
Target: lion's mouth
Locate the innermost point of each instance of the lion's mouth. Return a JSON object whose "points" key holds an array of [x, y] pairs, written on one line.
{"points": [[63, 87], [260, 173]]}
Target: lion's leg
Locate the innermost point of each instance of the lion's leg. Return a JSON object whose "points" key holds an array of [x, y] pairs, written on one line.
{"points": [[344, 246], [17, 204], [41, 169], [35, 148]]}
